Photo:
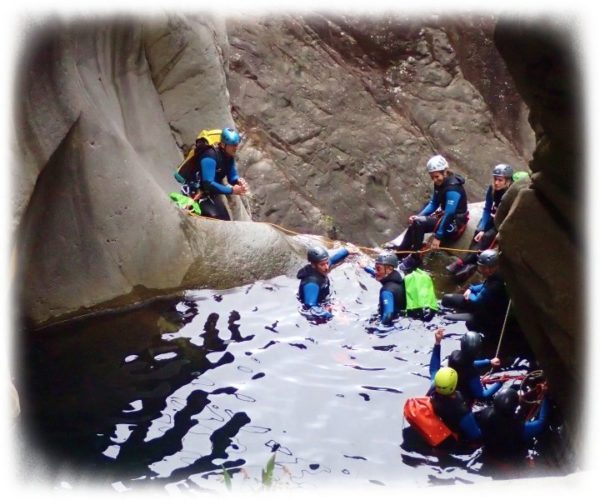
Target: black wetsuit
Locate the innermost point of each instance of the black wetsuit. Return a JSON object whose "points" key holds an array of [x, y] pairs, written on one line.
{"points": [[486, 224], [509, 434], [487, 303], [455, 413], [392, 297], [451, 198], [212, 167]]}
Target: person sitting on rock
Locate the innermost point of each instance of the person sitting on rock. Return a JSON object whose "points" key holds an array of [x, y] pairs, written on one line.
{"points": [[482, 305], [392, 297], [314, 286], [214, 164], [446, 214], [504, 432], [485, 233]]}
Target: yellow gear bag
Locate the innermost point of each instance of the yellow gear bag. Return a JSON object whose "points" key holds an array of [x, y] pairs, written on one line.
{"points": [[205, 139]]}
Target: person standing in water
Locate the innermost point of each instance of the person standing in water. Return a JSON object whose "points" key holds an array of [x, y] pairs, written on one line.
{"points": [[314, 289]]}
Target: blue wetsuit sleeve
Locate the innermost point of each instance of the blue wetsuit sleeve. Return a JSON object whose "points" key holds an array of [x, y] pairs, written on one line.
{"points": [[431, 206], [436, 361], [475, 387], [481, 363], [479, 296], [208, 166], [487, 211], [535, 427], [387, 306], [370, 270], [475, 290], [310, 294], [233, 175], [452, 200], [469, 427], [491, 390], [338, 256]]}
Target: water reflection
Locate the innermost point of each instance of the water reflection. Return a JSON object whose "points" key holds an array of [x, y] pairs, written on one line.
{"points": [[172, 393]]}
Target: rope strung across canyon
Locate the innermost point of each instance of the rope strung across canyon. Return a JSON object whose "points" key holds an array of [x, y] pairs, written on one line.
{"points": [[367, 250]]}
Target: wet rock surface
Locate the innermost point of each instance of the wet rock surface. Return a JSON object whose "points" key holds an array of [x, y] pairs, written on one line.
{"points": [[541, 235], [95, 119], [342, 113]]}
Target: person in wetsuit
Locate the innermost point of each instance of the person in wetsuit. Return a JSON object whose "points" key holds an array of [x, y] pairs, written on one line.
{"points": [[504, 432], [485, 233], [466, 365], [446, 214], [482, 305], [314, 289], [450, 406], [214, 165], [392, 296]]}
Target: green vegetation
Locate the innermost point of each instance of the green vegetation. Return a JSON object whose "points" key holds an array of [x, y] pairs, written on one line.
{"points": [[267, 475]]}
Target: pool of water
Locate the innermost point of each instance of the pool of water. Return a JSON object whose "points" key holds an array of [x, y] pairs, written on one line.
{"points": [[170, 394]]}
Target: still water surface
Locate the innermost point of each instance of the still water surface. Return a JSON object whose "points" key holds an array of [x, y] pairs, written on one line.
{"points": [[168, 394]]}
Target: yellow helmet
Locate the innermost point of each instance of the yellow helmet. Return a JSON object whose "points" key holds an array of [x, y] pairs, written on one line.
{"points": [[445, 380]]}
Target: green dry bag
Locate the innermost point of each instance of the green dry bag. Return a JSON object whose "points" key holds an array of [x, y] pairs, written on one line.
{"points": [[185, 202], [420, 292]]}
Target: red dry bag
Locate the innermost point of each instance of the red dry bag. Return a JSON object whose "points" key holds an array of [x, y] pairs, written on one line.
{"points": [[420, 415]]}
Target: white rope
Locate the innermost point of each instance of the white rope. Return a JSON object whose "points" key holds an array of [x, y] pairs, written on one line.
{"points": [[503, 327]]}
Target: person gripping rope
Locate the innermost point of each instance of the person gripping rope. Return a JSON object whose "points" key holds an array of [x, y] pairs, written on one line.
{"points": [[314, 288], [467, 365], [446, 214]]}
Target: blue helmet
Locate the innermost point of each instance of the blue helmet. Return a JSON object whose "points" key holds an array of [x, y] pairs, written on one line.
{"points": [[230, 137]]}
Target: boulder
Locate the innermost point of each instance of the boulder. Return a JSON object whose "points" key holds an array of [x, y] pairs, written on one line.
{"points": [[96, 116], [540, 225]]}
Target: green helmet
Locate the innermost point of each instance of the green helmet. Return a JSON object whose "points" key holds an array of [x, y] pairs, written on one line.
{"points": [[521, 174], [445, 380]]}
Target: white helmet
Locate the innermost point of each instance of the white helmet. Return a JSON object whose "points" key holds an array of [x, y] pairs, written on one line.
{"points": [[437, 163]]}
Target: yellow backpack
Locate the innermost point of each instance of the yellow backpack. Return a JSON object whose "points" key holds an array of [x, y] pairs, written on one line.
{"points": [[205, 139]]}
